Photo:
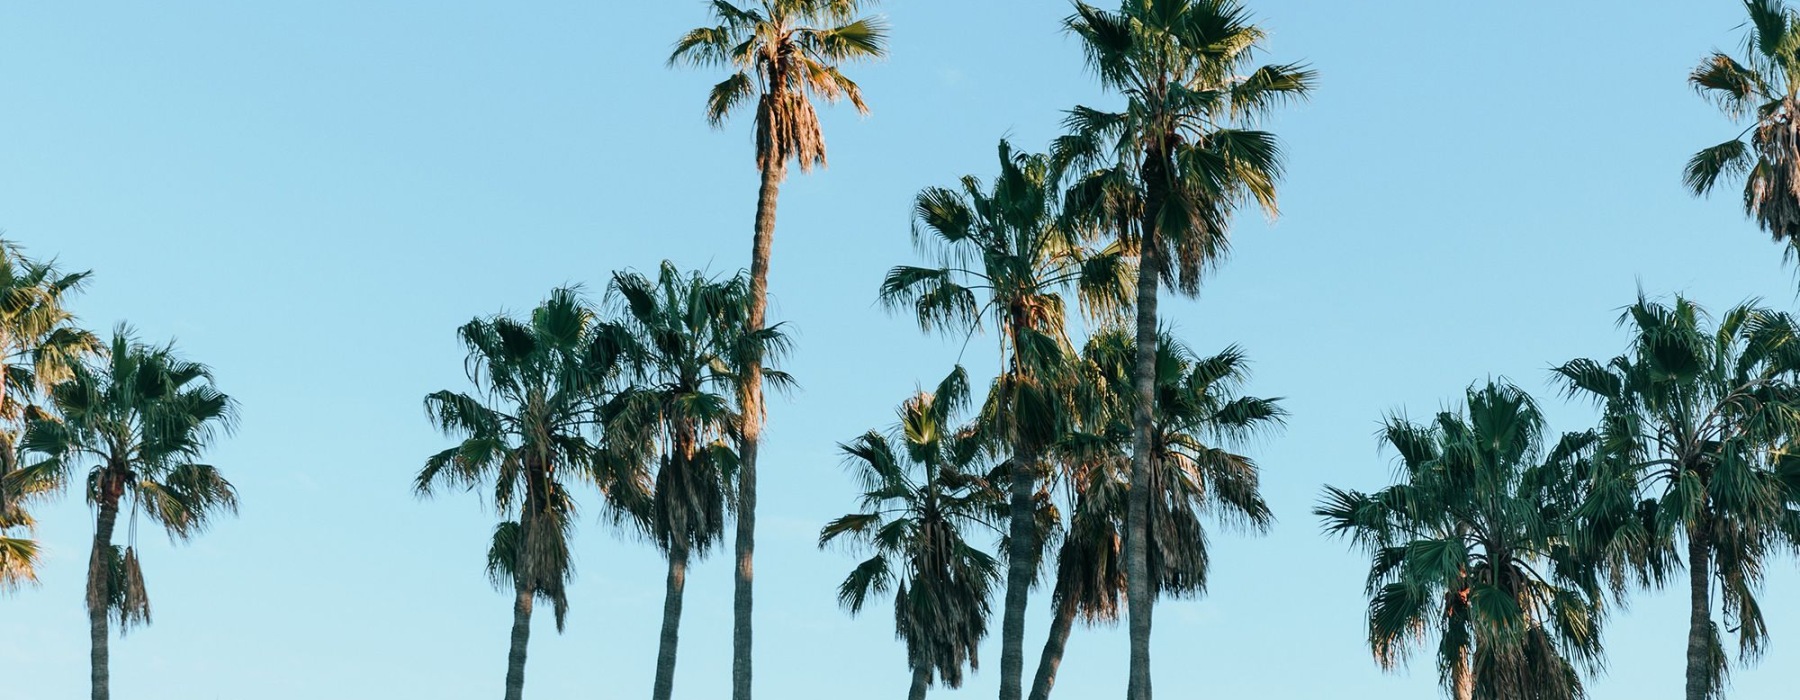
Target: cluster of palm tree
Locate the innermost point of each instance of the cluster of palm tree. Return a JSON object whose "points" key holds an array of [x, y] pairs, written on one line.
{"points": [[1130, 434], [133, 419], [1507, 545], [1104, 449], [660, 409], [1509, 548], [636, 405]]}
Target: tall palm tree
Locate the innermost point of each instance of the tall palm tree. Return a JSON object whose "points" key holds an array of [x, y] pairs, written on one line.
{"points": [[1759, 87], [687, 337], [1003, 255], [527, 432], [783, 54], [1167, 172], [39, 343], [1200, 415], [1473, 545], [137, 422], [1697, 424], [917, 503]]}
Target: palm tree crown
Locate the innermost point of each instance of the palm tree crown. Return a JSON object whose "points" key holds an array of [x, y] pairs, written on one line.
{"points": [[1178, 159], [1473, 545], [783, 53], [1200, 414], [39, 344], [686, 341], [917, 503], [1760, 87]]}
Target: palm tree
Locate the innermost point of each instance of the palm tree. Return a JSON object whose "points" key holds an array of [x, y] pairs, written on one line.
{"points": [[1697, 425], [687, 335], [1759, 87], [1199, 408], [39, 342], [1002, 253], [1474, 545], [917, 503], [782, 53], [1167, 173], [137, 421], [526, 432]]}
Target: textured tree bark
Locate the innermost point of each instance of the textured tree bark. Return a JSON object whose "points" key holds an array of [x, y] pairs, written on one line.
{"points": [[98, 593], [1140, 593], [751, 406], [1700, 670], [1021, 565], [921, 680], [521, 636], [1462, 687], [1060, 626], [671, 624]]}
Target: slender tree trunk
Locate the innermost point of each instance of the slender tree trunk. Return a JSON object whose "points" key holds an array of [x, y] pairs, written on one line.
{"points": [[1060, 627], [99, 582], [921, 680], [1140, 590], [1700, 667], [1462, 684], [671, 624], [751, 406], [1021, 564], [521, 636]]}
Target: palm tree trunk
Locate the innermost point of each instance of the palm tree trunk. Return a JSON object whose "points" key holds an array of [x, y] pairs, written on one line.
{"points": [[1462, 682], [1140, 591], [521, 635], [1701, 669], [751, 407], [1021, 559], [920, 681], [98, 593], [671, 624], [1060, 627]]}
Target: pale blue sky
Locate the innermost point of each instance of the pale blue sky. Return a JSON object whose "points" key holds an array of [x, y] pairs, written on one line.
{"points": [[312, 198]]}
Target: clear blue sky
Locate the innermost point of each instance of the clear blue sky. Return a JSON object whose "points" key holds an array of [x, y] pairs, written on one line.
{"points": [[311, 198]]}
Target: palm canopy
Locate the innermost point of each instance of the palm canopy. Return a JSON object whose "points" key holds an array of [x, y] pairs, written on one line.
{"points": [[919, 499], [686, 344], [782, 53], [1473, 546], [1200, 416], [1181, 155], [1003, 250], [137, 422], [1005, 256], [1760, 87], [528, 432], [39, 343], [1696, 424]]}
